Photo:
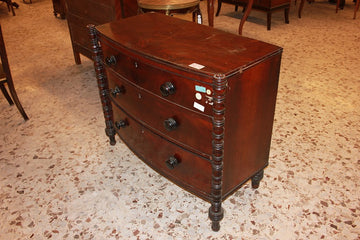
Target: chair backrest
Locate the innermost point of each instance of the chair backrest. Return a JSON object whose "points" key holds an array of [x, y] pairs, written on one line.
{"points": [[7, 78]]}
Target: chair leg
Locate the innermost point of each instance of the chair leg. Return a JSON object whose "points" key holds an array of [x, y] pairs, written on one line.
{"points": [[10, 6], [9, 81], [197, 16], [16, 99], [219, 7], [301, 8], [245, 15], [356, 8], [7, 96]]}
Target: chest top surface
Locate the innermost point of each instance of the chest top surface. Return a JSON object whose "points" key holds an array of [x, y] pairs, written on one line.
{"points": [[185, 44]]}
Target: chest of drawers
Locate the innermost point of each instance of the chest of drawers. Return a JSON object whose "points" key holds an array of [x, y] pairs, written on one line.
{"points": [[80, 13], [194, 103]]}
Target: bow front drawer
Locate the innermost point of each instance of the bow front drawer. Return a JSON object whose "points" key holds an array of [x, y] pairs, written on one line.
{"points": [[185, 127], [167, 84], [181, 166]]}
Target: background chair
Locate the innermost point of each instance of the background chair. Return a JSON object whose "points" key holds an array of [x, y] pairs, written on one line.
{"points": [[355, 10], [10, 5], [5, 77], [267, 6]]}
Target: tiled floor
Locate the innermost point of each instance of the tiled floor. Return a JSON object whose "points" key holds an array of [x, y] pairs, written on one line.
{"points": [[60, 179]]}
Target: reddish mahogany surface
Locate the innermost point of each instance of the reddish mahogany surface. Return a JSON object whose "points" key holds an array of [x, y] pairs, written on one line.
{"points": [[219, 147]]}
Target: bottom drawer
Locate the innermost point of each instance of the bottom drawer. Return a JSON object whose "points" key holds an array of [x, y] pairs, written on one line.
{"points": [[188, 170]]}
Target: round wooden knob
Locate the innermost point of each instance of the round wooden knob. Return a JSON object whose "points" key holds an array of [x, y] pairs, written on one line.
{"points": [[111, 60], [120, 124], [172, 162], [170, 124], [167, 89]]}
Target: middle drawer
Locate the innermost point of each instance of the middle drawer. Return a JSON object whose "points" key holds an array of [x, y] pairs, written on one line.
{"points": [[187, 128]]}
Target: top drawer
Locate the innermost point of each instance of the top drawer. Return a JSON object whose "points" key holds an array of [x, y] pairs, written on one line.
{"points": [[189, 93]]}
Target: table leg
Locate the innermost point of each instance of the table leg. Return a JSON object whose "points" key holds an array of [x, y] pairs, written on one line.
{"points": [[210, 10], [356, 8], [301, 8]]}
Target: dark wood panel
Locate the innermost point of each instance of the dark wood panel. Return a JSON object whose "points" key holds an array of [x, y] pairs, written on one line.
{"points": [[93, 11], [249, 118], [128, 8]]}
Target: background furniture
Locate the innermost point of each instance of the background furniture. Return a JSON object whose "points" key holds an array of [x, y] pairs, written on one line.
{"points": [[10, 6], [245, 16], [170, 7], [268, 6], [59, 8], [355, 9], [80, 13], [6, 78], [198, 112]]}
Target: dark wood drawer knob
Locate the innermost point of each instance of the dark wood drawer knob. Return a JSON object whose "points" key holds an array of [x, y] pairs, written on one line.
{"points": [[121, 124], [117, 91], [167, 89], [172, 162], [170, 124], [111, 60]]}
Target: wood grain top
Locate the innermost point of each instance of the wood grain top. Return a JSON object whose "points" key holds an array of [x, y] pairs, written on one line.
{"points": [[183, 43], [167, 4]]}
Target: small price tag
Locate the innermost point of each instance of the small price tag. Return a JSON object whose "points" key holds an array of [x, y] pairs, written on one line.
{"points": [[199, 106], [196, 65]]}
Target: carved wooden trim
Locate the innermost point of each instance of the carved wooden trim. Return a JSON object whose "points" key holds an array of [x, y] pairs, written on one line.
{"points": [[102, 83], [216, 212]]}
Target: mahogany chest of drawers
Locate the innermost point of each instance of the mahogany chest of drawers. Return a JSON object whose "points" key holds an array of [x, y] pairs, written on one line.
{"points": [[194, 103]]}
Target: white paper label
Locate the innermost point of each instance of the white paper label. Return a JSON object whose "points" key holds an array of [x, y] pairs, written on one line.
{"points": [[199, 106], [196, 65]]}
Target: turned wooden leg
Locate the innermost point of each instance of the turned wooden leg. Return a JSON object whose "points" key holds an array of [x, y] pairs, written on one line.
{"points": [[102, 84], [216, 212], [255, 180]]}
